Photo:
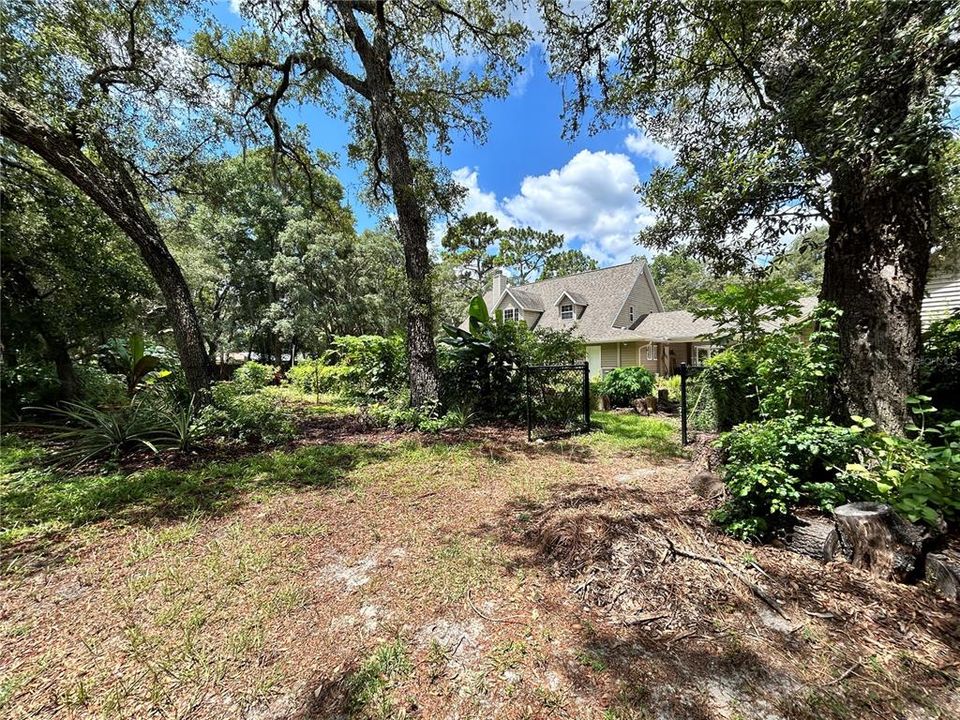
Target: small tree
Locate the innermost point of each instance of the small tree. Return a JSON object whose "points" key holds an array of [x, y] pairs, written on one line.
{"points": [[567, 262]]}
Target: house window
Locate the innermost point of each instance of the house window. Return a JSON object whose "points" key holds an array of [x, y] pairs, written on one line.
{"points": [[651, 350], [566, 312], [702, 353], [631, 316], [510, 314]]}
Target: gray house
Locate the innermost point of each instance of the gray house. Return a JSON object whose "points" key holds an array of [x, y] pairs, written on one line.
{"points": [[616, 310]]}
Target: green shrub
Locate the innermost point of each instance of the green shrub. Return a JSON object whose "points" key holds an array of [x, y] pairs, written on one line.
{"points": [[771, 466], [253, 375], [940, 370], [671, 384], [85, 432], [920, 475], [626, 384], [100, 388], [27, 384], [364, 367], [247, 416], [727, 386]]}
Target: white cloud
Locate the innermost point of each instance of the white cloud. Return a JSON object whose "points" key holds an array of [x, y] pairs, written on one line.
{"points": [[642, 145], [591, 200]]}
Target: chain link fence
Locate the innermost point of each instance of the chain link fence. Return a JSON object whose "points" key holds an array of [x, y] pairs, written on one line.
{"points": [[558, 400]]}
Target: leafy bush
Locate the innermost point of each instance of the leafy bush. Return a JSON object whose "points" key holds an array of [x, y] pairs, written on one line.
{"points": [[940, 370], [399, 415], [365, 367], [626, 384], [247, 416], [671, 384], [252, 375], [774, 465], [727, 387], [919, 476], [311, 376], [100, 388], [25, 385]]}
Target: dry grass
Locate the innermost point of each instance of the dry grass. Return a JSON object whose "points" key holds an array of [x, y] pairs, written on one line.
{"points": [[470, 577]]}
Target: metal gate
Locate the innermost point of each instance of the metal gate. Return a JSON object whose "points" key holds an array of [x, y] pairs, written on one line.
{"points": [[558, 400], [687, 386]]}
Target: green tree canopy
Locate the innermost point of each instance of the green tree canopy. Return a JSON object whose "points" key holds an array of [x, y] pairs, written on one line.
{"points": [[567, 262]]}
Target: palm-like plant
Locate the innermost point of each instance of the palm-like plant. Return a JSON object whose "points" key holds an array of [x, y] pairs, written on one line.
{"points": [[133, 360], [87, 432]]}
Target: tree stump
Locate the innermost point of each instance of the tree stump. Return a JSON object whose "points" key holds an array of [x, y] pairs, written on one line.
{"points": [[874, 538], [816, 538], [943, 573], [663, 396]]}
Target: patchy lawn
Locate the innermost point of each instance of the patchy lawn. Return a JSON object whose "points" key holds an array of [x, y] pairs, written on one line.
{"points": [[376, 575]]}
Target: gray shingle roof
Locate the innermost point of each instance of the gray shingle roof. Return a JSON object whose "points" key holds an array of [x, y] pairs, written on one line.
{"points": [[602, 291], [680, 325], [575, 297]]}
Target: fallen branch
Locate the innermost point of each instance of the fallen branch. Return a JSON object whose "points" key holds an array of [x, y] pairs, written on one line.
{"points": [[473, 607], [721, 563], [847, 673]]}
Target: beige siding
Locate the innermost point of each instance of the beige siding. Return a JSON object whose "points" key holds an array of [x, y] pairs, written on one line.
{"points": [[531, 318], [526, 315], [629, 354], [650, 364], [640, 298], [941, 298], [608, 356]]}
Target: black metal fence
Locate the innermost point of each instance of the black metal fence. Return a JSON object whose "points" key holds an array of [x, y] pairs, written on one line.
{"points": [[558, 400], [695, 402]]}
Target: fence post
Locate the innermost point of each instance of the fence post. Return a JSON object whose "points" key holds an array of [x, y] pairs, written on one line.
{"points": [[683, 403], [526, 377], [586, 395]]}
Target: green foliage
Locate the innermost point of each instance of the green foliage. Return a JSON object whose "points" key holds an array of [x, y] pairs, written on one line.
{"points": [[525, 251], [467, 245], [134, 360], [789, 370], [919, 476], [101, 388], [25, 385], [774, 465], [85, 432], [479, 366], [680, 279], [940, 371], [626, 384], [365, 367], [567, 262], [744, 311], [252, 376], [671, 384], [248, 416]]}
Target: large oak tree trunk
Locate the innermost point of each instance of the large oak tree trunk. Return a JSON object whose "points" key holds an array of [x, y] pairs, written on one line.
{"points": [[113, 190], [875, 270], [388, 130]]}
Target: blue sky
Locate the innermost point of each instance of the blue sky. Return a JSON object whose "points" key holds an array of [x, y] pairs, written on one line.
{"points": [[526, 174]]}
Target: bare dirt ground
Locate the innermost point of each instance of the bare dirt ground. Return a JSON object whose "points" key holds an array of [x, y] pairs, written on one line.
{"points": [[475, 577]]}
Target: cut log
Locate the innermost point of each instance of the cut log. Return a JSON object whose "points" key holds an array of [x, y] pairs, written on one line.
{"points": [[876, 539], [663, 396], [816, 538], [943, 573]]}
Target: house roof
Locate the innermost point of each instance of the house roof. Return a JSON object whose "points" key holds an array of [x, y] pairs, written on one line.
{"points": [[683, 326], [602, 291], [574, 297]]}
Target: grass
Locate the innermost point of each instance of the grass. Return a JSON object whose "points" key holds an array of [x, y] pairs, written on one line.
{"points": [[38, 501], [369, 688], [632, 432]]}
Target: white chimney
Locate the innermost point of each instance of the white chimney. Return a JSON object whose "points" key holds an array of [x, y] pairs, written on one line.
{"points": [[499, 284]]}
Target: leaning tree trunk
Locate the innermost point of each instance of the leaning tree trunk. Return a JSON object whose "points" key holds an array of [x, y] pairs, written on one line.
{"points": [[113, 190], [875, 269], [414, 233]]}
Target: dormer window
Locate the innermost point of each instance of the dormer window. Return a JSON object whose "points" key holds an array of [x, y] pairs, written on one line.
{"points": [[566, 312], [510, 314]]}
